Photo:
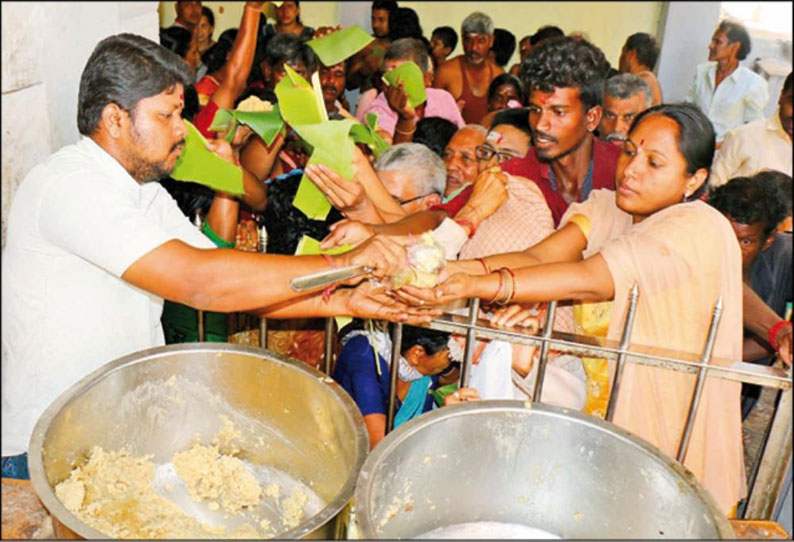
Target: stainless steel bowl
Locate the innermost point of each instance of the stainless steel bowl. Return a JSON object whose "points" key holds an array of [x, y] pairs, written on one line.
{"points": [[154, 402], [499, 461]]}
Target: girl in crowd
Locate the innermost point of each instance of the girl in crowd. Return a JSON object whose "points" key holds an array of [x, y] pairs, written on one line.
{"points": [[655, 232], [205, 29]]}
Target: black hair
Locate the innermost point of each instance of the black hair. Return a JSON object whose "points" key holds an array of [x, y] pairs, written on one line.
{"points": [[696, 137], [176, 39], [517, 118], [207, 12], [508, 79], [447, 35], [192, 105], [285, 224], [504, 45], [387, 5], [786, 84], [229, 35], [567, 62], [434, 133], [215, 57], [404, 23], [737, 32], [545, 33], [123, 69], [645, 47], [431, 340], [783, 182], [290, 49], [750, 199]]}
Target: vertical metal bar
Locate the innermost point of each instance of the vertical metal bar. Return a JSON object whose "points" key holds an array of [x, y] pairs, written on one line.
{"points": [[767, 489], [198, 221], [701, 380], [330, 328], [544, 351], [468, 352], [620, 364], [396, 346], [758, 456], [263, 332]]}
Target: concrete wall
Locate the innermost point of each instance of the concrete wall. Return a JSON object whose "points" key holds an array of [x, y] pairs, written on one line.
{"points": [[44, 48]]}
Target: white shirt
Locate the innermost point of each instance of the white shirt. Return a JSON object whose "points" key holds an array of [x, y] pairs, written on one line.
{"points": [[740, 98], [748, 149], [77, 222]]}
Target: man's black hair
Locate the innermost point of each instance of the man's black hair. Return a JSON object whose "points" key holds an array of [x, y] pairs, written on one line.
{"points": [[508, 79], [567, 63], [750, 199], [736, 31], [290, 49], [387, 5], [696, 137], [215, 57], [447, 35], [783, 182], [434, 133], [504, 45], [517, 118], [404, 23], [176, 39], [124, 69], [546, 33], [645, 47]]}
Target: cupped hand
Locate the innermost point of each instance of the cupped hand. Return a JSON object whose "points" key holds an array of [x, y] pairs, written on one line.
{"points": [[221, 148], [462, 395], [368, 300], [346, 232], [397, 99], [383, 255], [489, 193], [457, 286], [325, 30]]}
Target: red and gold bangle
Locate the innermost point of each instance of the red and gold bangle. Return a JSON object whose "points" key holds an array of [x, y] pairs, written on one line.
{"points": [[498, 290], [484, 265], [774, 331], [469, 223], [512, 285]]}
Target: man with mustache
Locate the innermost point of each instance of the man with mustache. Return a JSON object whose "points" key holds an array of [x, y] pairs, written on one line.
{"points": [[94, 245], [625, 97], [468, 76], [565, 79], [332, 81]]}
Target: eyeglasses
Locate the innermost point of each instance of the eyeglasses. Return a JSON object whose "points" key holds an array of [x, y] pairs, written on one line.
{"points": [[406, 201], [485, 153]]}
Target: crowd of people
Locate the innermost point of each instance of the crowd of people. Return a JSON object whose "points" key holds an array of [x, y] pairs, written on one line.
{"points": [[558, 178]]}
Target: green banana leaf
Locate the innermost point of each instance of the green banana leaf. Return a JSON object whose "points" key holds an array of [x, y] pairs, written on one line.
{"points": [[200, 165], [297, 101], [265, 124], [337, 46], [414, 82], [368, 134]]}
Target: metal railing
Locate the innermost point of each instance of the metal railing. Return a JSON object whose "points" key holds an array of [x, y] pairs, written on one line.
{"points": [[767, 474]]}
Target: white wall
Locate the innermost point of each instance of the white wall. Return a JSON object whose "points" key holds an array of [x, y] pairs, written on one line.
{"points": [[687, 32], [45, 46]]}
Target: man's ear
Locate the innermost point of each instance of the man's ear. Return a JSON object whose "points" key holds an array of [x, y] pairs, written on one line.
{"points": [[113, 120], [769, 241], [593, 117]]}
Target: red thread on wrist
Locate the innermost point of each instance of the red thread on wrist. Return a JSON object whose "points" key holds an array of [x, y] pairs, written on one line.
{"points": [[774, 331], [484, 265], [498, 290]]}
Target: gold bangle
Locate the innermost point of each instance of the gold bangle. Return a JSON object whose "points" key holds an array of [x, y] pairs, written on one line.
{"points": [[401, 132], [498, 289], [504, 273]]}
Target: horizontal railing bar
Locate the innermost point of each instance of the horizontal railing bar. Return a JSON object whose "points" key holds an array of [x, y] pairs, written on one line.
{"points": [[601, 348]]}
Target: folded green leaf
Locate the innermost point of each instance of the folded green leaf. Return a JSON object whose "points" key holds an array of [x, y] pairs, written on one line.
{"points": [[200, 165], [265, 124], [296, 100], [337, 46], [308, 246], [414, 82], [368, 134]]}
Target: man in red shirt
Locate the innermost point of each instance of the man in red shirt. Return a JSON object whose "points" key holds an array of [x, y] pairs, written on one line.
{"points": [[567, 161]]}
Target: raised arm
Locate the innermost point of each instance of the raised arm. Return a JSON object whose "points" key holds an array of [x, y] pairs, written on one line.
{"points": [[238, 67]]}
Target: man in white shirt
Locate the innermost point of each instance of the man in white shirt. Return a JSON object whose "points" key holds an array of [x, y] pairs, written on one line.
{"points": [[94, 246], [730, 95], [763, 144]]}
